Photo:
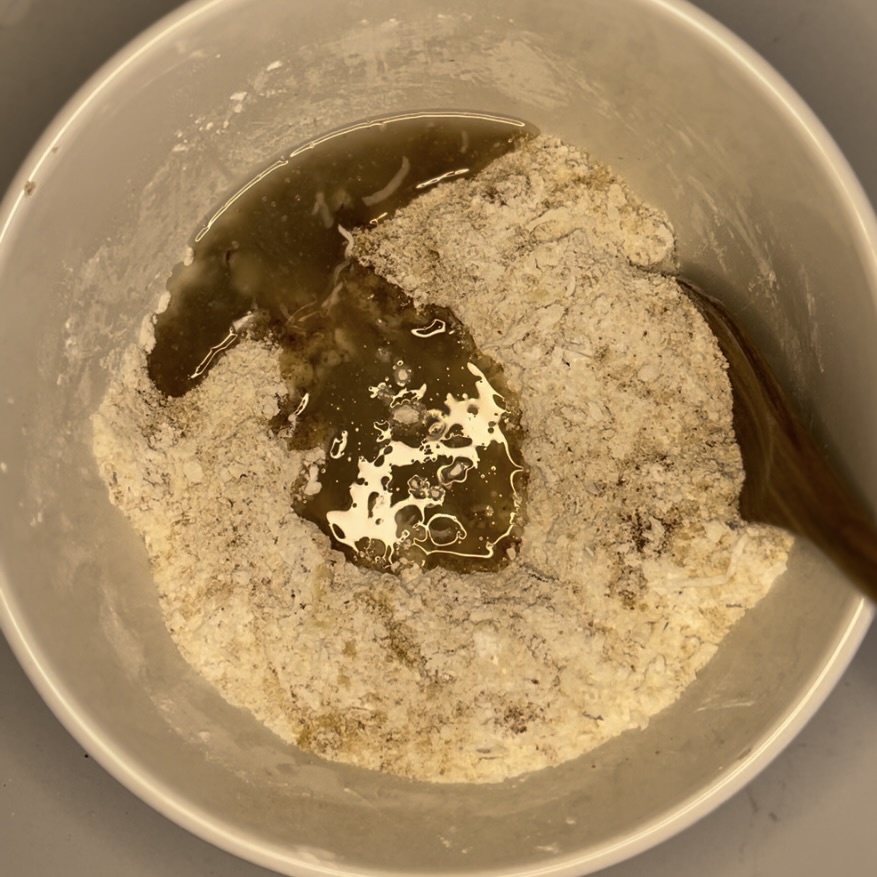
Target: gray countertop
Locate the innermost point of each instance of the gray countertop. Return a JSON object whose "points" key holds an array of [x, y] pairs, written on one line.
{"points": [[807, 815]]}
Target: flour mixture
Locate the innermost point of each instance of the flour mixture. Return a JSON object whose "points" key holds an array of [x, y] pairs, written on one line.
{"points": [[620, 561]]}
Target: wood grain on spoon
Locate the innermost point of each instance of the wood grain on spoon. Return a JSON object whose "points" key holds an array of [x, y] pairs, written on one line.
{"points": [[789, 482]]}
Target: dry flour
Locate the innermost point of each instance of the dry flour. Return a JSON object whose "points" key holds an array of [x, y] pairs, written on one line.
{"points": [[633, 563]]}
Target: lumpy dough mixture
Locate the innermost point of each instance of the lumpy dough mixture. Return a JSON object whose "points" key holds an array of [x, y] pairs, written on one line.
{"points": [[633, 562]]}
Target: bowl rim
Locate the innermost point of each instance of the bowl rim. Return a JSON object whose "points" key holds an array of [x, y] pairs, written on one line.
{"points": [[231, 839]]}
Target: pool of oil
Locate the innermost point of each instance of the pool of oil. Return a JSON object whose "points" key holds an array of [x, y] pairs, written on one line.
{"points": [[421, 432]]}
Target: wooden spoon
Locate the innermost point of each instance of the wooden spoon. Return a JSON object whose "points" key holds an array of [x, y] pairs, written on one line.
{"points": [[788, 480]]}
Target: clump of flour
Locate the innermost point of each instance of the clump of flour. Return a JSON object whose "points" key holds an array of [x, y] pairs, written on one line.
{"points": [[633, 563]]}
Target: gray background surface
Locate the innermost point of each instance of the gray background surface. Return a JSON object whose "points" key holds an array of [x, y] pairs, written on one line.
{"points": [[809, 814]]}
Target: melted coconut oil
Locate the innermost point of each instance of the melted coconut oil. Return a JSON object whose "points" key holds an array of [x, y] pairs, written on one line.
{"points": [[421, 432]]}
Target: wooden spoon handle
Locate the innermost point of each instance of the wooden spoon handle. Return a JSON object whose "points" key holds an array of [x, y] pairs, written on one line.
{"points": [[789, 481], [795, 487]]}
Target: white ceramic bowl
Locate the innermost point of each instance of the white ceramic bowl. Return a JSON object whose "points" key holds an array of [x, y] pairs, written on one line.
{"points": [[768, 215]]}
